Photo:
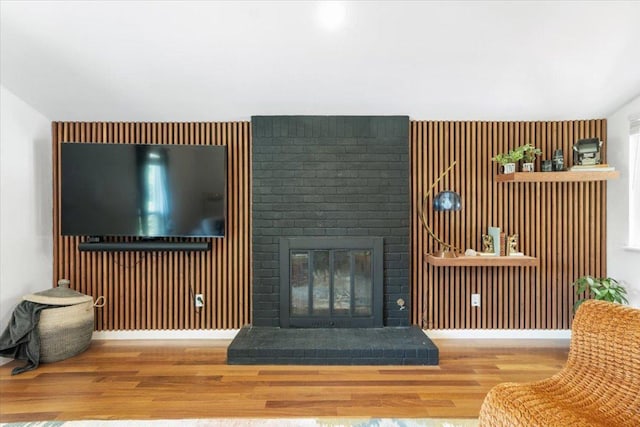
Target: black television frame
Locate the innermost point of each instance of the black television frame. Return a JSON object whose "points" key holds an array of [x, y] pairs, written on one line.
{"points": [[114, 242]]}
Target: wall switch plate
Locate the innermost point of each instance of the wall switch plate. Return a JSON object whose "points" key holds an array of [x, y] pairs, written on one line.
{"points": [[199, 300], [475, 300]]}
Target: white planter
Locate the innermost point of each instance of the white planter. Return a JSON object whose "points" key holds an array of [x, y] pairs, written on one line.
{"points": [[527, 167], [509, 168]]}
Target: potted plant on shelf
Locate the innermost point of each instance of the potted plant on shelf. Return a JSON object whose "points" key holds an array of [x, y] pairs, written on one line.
{"points": [[508, 160], [529, 153], [604, 288]]}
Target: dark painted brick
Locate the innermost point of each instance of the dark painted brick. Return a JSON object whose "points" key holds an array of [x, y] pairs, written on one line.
{"points": [[291, 127], [264, 306], [330, 175], [308, 126], [299, 128], [340, 126], [313, 231], [273, 264], [264, 256], [263, 240], [336, 231], [349, 127], [331, 126]]}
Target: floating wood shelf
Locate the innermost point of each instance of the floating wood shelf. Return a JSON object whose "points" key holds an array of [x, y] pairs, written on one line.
{"points": [[482, 261], [565, 176]]}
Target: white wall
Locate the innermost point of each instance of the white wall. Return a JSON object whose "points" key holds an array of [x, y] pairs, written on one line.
{"points": [[26, 253], [622, 264]]}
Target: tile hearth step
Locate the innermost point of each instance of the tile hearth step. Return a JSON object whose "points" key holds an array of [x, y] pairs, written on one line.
{"points": [[344, 346]]}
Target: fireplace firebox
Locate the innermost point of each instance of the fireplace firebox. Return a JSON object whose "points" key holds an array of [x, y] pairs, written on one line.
{"points": [[331, 282]]}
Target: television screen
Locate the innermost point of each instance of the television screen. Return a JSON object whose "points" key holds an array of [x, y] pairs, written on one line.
{"points": [[143, 190]]}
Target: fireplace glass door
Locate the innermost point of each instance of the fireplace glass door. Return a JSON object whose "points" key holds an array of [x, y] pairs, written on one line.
{"points": [[331, 283], [330, 287]]}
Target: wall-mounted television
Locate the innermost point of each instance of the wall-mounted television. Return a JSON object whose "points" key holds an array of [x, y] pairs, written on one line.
{"points": [[143, 190]]}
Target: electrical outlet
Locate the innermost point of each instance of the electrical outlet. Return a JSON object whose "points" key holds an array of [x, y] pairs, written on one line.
{"points": [[199, 300], [475, 300]]}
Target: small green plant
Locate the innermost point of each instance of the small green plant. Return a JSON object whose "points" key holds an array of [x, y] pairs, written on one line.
{"points": [[604, 288], [529, 153], [513, 156]]}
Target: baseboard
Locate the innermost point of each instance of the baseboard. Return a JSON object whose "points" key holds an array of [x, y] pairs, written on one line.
{"points": [[203, 334], [525, 334], [228, 334]]}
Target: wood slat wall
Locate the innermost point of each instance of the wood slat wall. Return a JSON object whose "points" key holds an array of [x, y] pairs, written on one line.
{"points": [[561, 223], [153, 290], [564, 224]]}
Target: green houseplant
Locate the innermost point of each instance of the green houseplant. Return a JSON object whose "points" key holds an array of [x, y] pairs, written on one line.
{"points": [[603, 288], [529, 153], [508, 160]]}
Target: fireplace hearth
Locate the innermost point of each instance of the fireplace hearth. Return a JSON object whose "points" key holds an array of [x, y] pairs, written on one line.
{"points": [[320, 346]]}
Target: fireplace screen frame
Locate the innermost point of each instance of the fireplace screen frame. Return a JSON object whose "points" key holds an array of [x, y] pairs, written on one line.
{"points": [[291, 244]]}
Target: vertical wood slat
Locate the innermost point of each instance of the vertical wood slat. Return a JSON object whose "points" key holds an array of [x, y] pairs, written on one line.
{"points": [[153, 290], [563, 224]]}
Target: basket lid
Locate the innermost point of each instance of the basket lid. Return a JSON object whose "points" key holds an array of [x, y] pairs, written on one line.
{"points": [[62, 295]]}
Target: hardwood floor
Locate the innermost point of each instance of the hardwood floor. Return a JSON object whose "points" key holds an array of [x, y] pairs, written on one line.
{"points": [[190, 379]]}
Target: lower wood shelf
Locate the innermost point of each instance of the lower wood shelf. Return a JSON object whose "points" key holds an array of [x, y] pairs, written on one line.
{"points": [[482, 261]]}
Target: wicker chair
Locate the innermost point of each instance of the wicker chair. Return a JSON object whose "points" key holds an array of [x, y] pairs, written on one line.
{"points": [[598, 386]]}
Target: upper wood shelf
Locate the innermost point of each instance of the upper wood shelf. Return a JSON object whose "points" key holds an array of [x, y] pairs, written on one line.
{"points": [[482, 261], [565, 176]]}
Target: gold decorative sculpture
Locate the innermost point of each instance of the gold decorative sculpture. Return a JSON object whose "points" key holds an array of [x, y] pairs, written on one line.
{"points": [[487, 244], [512, 244]]}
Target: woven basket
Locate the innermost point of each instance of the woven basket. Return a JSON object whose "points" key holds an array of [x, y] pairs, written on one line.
{"points": [[65, 331]]}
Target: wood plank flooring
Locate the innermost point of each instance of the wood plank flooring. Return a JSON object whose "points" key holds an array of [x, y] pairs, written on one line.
{"points": [[190, 379]]}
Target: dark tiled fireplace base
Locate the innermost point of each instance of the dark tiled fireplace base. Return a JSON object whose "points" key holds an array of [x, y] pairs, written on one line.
{"points": [[351, 346]]}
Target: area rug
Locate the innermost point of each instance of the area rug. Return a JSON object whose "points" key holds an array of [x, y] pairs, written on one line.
{"points": [[261, 422]]}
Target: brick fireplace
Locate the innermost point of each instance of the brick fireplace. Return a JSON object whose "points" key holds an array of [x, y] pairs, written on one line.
{"points": [[330, 177], [330, 220]]}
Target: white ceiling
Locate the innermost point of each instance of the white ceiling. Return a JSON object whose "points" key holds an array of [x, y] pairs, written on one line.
{"points": [[219, 61]]}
